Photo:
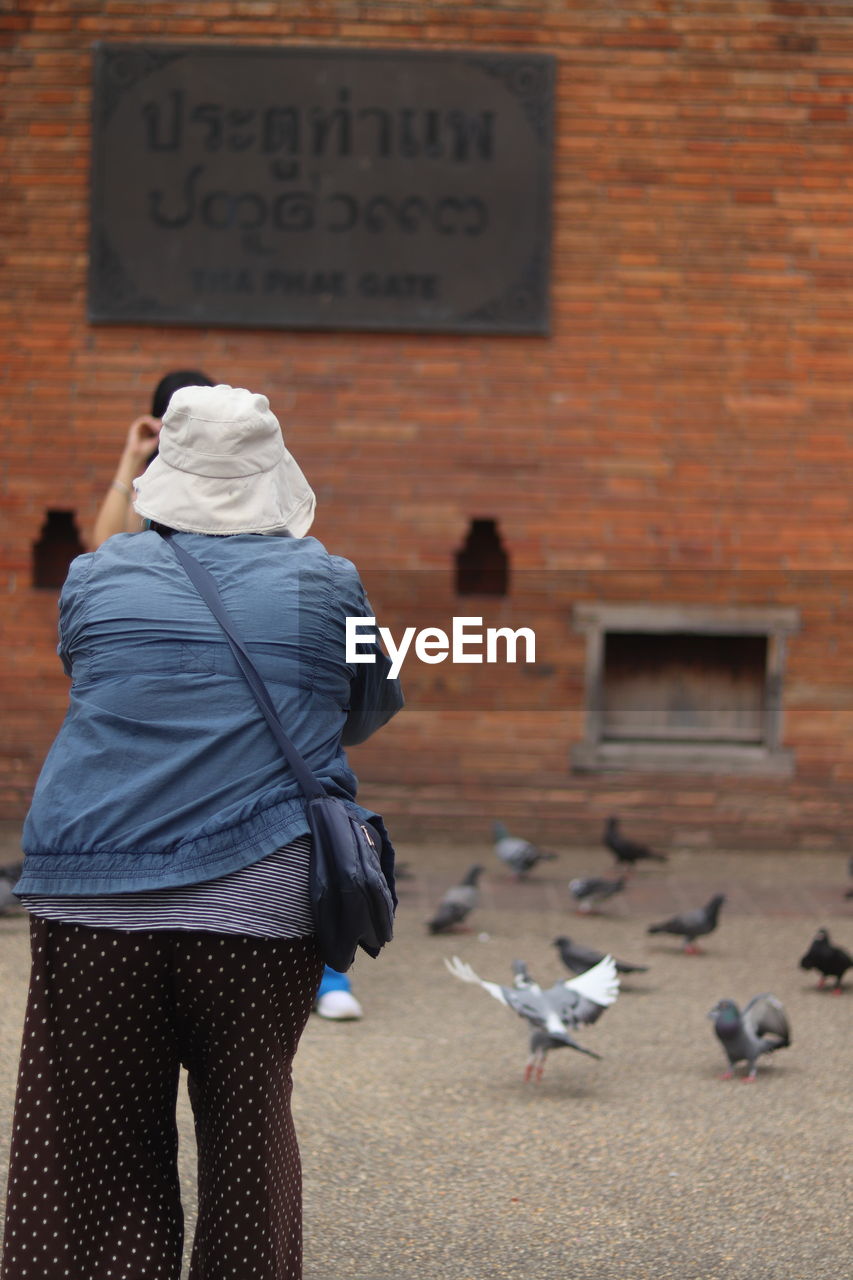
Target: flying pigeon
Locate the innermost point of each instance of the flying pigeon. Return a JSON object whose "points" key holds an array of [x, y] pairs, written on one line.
{"points": [[589, 891], [519, 855], [627, 852], [692, 924], [579, 958], [829, 960], [761, 1028], [457, 903], [552, 1014]]}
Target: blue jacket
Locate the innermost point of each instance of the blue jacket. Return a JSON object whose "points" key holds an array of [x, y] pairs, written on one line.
{"points": [[164, 771]]}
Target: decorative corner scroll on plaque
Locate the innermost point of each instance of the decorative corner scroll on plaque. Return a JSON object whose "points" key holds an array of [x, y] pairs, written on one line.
{"points": [[319, 188]]}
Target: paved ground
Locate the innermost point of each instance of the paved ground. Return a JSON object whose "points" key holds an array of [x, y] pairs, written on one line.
{"points": [[426, 1157]]}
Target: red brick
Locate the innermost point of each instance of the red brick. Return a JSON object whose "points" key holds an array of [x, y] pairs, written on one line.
{"points": [[688, 417]]}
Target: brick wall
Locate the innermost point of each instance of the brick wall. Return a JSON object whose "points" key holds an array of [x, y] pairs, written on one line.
{"points": [[689, 413]]}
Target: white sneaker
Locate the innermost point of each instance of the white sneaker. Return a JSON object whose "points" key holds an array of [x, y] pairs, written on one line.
{"points": [[341, 1006]]}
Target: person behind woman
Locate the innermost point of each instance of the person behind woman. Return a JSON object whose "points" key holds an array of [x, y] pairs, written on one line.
{"points": [[116, 514], [166, 868]]}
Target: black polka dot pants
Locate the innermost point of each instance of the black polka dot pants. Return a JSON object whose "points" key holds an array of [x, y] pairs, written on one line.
{"points": [[93, 1180]]}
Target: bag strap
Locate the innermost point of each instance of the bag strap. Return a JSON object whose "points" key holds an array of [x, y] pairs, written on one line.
{"points": [[205, 585]]}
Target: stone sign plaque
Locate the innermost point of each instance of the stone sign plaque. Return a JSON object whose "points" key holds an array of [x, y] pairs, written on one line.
{"points": [[321, 188]]}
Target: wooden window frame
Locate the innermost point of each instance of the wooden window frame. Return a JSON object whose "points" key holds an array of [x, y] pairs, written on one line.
{"points": [[768, 758]]}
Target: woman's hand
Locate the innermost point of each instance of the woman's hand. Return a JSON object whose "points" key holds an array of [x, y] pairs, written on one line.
{"points": [[142, 437], [116, 514]]}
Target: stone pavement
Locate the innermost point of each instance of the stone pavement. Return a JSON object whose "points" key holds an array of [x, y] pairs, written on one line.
{"points": [[426, 1156]]}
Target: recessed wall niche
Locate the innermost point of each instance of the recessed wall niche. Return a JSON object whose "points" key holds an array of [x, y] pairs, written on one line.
{"points": [[482, 564], [58, 544], [684, 688]]}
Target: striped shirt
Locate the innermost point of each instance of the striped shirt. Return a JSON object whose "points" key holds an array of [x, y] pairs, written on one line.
{"points": [[268, 899]]}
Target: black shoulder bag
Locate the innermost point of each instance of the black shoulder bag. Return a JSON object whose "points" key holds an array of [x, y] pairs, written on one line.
{"points": [[352, 898]]}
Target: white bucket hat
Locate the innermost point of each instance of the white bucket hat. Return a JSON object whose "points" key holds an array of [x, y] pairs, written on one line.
{"points": [[223, 468]]}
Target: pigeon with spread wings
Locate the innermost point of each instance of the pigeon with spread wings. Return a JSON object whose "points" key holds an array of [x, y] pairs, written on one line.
{"points": [[554, 1012]]}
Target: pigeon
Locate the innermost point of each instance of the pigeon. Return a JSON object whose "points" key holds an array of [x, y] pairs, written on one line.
{"points": [[579, 958], [692, 924], [627, 852], [8, 901], [519, 855], [552, 1014], [9, 876], [761, 1028], [457, 903], [829, 960], [589, 891], [521, 978]]}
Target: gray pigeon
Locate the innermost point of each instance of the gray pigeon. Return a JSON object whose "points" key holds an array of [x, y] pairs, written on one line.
{"points": [[459, 901], [690, 925], [552, 1014], [8, 901], [627, 852], [516, 853], [9, 876], [761, 1028], [521, 978], [579, 958], [590, 891]]}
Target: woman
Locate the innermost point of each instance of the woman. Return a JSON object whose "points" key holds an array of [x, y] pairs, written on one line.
{"points": [[166, 866]]}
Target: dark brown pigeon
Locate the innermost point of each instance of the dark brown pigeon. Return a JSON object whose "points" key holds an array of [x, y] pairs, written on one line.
{"points": [[627, 852], [829, 960]]}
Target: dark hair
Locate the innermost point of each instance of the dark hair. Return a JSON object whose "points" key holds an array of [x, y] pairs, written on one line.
{"points": [[172, 382]]}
